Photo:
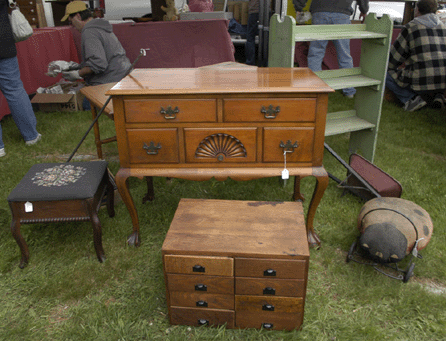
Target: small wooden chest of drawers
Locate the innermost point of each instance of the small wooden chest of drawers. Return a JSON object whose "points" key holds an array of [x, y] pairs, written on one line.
{"points": [[239, 263]]}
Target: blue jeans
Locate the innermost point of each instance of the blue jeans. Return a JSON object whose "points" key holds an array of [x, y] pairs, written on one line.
{"points": [[21, 109], [250, 45], [403, 94], [317, 48]]}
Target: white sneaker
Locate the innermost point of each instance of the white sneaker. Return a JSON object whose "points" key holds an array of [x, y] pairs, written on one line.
{"points": [[2, 152], [31, 142]]}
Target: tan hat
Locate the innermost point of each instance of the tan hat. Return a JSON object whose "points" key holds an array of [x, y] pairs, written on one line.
{"points": [[74, 7]]}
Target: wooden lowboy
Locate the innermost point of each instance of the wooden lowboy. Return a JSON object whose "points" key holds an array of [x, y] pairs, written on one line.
{"points": [[201, 123]]}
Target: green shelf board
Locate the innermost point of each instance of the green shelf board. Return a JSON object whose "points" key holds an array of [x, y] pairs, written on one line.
{"points": [[345, 122]]}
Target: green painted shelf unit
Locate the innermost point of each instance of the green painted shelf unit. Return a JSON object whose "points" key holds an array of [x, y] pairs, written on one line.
{"points": [[369, 78]]}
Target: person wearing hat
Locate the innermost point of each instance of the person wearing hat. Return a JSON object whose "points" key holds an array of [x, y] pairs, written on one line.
{"points": [[103, 57]]}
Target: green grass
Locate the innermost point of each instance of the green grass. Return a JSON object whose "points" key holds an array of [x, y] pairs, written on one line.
{"points": [[66, 294]]}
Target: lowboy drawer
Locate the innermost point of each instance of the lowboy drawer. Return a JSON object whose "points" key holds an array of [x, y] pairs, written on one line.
{"points": [[299, 141], [269, 287], [193, 283], [270, 268], [199, 317], [269, 321], [199, 265], [170, 110], [225, 145], [153, 145], [270, 109]]}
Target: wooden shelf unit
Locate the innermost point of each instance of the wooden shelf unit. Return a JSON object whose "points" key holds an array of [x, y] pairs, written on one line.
{"points": [[369, 78]]}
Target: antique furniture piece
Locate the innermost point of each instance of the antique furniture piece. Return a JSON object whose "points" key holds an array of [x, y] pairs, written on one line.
{"points": [[239, 263], [369, 78], [201, 123], [97, 98], [61, 192]]}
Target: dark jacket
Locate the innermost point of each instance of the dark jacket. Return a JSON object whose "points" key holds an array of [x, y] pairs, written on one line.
{"points": [[335, 6], [7, 43]]}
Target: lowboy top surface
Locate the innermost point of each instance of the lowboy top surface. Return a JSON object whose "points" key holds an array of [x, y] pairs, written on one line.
{"points": [[249, 80]]}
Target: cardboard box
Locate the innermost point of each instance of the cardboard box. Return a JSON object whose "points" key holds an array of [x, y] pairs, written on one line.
{"points": [[65, 102]]}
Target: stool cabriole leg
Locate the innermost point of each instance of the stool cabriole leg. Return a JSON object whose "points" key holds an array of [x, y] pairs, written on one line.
{"points": [[15, 229]]}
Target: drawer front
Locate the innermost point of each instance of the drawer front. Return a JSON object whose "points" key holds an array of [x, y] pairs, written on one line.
{"points": [[298, 141], [193, 283], [278, 321], [226, 145], [199, 317], [166, 110], [153, 145], [270, 109], [199, 265], [270, 287], [267, 304], [271, 268], [201, 300]]}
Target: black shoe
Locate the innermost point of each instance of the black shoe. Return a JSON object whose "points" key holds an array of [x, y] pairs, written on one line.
{"points": [[439, 102]]}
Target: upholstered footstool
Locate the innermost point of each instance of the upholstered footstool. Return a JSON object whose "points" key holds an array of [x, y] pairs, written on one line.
{"points": [[61, 192]]}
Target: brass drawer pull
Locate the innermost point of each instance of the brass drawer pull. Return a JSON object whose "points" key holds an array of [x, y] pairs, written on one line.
{"points": [[267, 325], [289, 146], [202, 304], [151, 149], [202, 322], [201, 287], [268, 307], [169, 113], [269, 291], [269, 272], [270, 112]]}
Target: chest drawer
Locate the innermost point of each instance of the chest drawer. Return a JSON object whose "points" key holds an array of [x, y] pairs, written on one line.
{"points": [[153, 145], [199, 265], [193, 283], [268, 304], [270, 268], [201, 300], [225, 145], [298, 140], [200, 317], [170, 110], [269, 287], [270, 109]]}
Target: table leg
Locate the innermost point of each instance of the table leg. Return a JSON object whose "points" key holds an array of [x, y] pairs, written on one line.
{"points": [[124, 191], [150, 195], [297, 195], [321, 185], [97, 137]]}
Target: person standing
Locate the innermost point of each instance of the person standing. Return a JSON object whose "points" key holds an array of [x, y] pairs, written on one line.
{"points": [[417, 60], [331, 12], [12, 86], [252, 31]]}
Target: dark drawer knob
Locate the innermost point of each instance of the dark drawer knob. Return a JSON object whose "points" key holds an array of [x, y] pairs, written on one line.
{"points": [[201, 287], [198, 268], [269, 291], [202, 322], [267, 325], [201, 304], [268, 307], [269, 272]]}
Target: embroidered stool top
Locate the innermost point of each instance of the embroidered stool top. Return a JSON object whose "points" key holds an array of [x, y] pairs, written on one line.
{"points": [[59, 181]]}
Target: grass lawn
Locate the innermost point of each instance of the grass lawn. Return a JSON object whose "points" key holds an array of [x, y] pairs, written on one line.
{"points": [[66, 294]]}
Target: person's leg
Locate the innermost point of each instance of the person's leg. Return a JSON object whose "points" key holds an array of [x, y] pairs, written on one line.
{"points": [[403, 94], [250, 45], [342, 46], [316, 51], [21, 109]]}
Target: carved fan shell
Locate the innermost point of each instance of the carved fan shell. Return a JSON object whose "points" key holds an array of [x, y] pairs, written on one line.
{"points": [[219, 145]]}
